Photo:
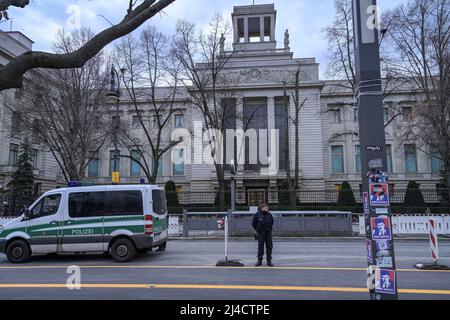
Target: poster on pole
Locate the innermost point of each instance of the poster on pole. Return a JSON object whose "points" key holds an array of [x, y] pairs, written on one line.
{"points": [[385, 281], [379, 194], [381, 228]]}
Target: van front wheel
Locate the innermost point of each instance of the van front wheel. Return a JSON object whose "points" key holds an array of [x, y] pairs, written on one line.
{"points": [[18, 252], [123, 250]]}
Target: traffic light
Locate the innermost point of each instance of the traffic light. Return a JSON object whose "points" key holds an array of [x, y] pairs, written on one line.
{"points": [[116, 177]]}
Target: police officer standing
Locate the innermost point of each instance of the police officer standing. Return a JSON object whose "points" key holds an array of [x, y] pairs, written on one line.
{"points": [[263, 223]]}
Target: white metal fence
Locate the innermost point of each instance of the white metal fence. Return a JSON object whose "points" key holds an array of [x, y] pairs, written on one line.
{"points": [[414, 224]]}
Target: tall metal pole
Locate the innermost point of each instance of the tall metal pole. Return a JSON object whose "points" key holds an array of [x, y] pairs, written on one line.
{"points": [[233, 186], [115, 92], [382, 281]]}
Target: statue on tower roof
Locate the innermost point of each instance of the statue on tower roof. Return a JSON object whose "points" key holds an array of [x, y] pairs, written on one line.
{"points": [[286, 40]]}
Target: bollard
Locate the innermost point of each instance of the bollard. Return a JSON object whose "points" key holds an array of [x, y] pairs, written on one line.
{"points": [[433, 240], [434, 250], [185, 223]]}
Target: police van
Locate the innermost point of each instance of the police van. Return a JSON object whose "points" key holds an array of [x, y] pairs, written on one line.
{"points": [[121, 220]]}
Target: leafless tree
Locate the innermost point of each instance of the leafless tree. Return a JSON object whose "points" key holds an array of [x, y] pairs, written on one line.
{"points": [[341, 57], [62, 108], [294, 184], [11, 75], [209, 86], [151, 82], [420, 37]]}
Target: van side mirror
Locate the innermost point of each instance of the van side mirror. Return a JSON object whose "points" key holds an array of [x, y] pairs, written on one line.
{"points": [[27, 213]]}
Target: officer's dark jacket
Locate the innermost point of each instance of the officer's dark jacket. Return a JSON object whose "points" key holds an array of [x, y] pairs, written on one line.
{"points": [[262, 221]]}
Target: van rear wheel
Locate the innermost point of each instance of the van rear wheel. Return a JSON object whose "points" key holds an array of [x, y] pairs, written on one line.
{"points": [[162, 246], [18, 251], [123, 250]]}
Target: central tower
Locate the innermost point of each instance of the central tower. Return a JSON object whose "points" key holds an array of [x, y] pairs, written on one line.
{"points": [[254, 27]]}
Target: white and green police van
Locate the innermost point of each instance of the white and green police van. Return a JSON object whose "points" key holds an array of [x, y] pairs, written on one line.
{"points": [[121, 220]]}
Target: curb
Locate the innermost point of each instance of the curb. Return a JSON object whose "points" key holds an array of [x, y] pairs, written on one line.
{"points": [[304, 239]]}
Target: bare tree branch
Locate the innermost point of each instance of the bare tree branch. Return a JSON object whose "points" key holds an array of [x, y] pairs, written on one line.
{"points": [[11, 75]]}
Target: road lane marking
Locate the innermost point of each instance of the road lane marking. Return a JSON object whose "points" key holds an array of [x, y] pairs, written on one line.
{"points": [[212, 267], [214, 287]]}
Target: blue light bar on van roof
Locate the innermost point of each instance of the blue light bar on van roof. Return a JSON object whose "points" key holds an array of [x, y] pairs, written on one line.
{"points": [[73, 184]]}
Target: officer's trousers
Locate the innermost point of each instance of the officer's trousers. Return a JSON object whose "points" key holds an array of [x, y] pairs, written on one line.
{"points": [[265, 237]]}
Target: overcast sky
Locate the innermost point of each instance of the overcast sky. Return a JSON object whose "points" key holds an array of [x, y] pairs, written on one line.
{"points": [[305, 19]]}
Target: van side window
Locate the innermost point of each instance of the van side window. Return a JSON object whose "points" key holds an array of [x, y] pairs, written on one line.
{"points": [[46, 207], [159, 202], [123, 203], [86, 204]]}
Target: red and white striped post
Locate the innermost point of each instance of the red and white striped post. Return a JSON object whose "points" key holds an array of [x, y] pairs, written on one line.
{"points": [[433, 240]]}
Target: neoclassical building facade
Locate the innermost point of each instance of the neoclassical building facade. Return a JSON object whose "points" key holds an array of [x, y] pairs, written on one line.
{"points": [[328, 145]]}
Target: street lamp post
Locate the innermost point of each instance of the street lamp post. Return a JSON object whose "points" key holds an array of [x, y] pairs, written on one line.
{"points": [[382, 283], [233, 186]]}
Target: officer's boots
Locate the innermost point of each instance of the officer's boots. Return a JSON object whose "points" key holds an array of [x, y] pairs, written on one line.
{"points": [[259, 263]]}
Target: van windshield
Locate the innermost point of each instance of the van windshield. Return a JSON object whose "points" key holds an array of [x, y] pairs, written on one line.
{"points": [[159, 202]]}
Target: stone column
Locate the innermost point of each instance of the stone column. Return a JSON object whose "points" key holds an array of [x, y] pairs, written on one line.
{"points": [[270, 116], [246, 30], [236, 30], [272, 28], [261, 28]]}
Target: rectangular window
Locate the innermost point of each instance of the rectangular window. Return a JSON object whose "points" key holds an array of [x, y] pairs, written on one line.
{"points": [[86, 204], [410, 158], [389, 158], [358, 158], [155, 123], [386, 115], [34, 158], [241, 30], [135, 166], [335, 115], [255, 117], [159, 202], [407, 113], [436, 161], [179, 121], [229, 114], [13, 154], [178, 165], [135, 122], [15, 123], [280, 125], [114, 162], [123, 203], [115, 122], [93, 166], [337, 159], [254, 29], [355, 115], [267, 28]]}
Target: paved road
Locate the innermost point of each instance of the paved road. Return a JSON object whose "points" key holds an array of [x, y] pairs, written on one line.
{"points": [[305, 269]]}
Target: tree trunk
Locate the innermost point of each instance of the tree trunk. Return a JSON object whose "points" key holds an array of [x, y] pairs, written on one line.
{"points": [[292, 193]]}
